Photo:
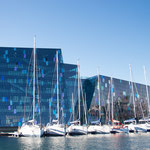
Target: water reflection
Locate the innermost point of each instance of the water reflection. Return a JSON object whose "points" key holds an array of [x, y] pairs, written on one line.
{"points": [[54, 142], [31, 143], [77, 142], [88, 142]]}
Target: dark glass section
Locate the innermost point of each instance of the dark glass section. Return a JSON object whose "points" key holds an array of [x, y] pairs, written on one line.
{"points": [[122, 99]]}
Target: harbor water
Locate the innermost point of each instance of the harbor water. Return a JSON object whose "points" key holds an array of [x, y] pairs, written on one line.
{"points": [[131, 141]]}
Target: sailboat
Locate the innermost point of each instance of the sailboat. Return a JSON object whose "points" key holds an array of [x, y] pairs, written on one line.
{"points": [[76, 128], [131, 123], [116, 127], [96, 127], [143, 125], [73, 122], [30, 128], [147, 120], [140, 127], [56, 128]]}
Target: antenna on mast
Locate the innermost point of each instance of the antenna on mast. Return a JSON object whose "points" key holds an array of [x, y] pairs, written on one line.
{"points": [[34, 41]]}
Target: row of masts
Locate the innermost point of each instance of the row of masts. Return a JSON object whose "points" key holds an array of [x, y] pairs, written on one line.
{"points": [[111, 113], [99, 101], [147, 93], [79, 85], [26, 130]]}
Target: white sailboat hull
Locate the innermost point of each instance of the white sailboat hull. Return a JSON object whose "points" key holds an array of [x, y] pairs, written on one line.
{"points": [[31, 131], [141, 128], [77, 130], [106, 129], [97, 129], [148, 127], [131, 127], [55, 130], [91, 129], [119, 130]]}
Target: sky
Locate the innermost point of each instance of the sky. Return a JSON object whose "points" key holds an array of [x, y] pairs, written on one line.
{"points": [[104, 34]]}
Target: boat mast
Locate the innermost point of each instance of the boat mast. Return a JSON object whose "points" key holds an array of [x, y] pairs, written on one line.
{"points": [[85, 108], [34, 77], [147, 90], [57, 87], [99, 103], [132, 89], [112, 100], [50, 104], [62, 115], [109, 102], [79, 92], [73, 108]]}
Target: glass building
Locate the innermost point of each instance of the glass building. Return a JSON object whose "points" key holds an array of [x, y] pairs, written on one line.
{"points": [[119, 93], [16, 90], [16, 85]]}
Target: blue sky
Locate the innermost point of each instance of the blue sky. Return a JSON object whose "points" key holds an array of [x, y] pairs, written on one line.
{"points": [[109, 34]]}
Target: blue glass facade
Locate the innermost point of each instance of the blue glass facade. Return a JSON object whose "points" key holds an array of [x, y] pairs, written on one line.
{"points": [[16, 85], [122, 98]]}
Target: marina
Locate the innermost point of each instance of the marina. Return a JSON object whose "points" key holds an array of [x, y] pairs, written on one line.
{"points": [[81, 130], [83, 125], [75, 75]]}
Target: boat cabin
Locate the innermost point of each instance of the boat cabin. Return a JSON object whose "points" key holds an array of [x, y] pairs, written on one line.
{"points": [[144, 120], [130, 121]]}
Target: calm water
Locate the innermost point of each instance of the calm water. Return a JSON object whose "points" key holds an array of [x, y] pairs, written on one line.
{"points": [[114, 142]]}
